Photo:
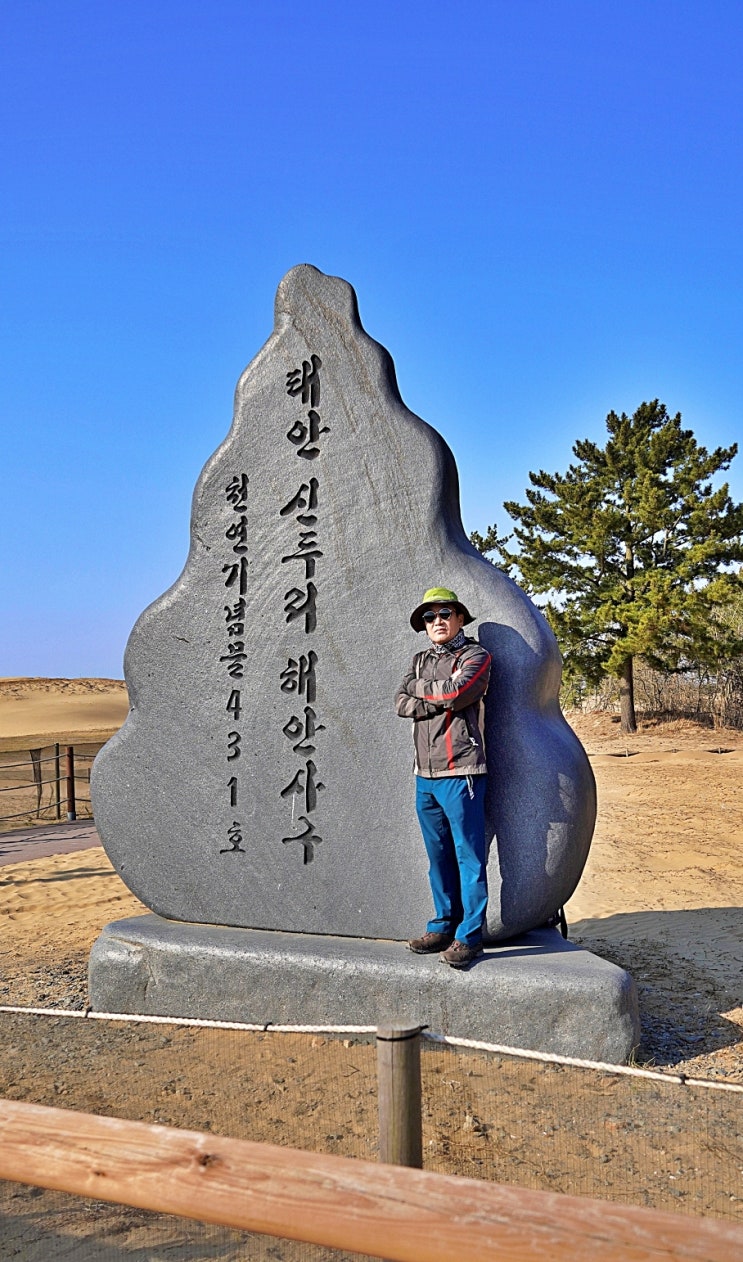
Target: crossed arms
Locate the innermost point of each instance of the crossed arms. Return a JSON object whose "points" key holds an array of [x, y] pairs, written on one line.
{"points": [[422, 698]]}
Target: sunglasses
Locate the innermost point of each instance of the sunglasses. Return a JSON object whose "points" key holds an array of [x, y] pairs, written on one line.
{"points": [[431, 615]]}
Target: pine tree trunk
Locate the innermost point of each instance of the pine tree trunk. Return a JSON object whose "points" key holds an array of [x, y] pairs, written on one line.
{"points": [[627, 697]]}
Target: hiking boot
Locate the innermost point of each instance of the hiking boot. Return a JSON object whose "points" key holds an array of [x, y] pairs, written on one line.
{"points": [[430, 943], [459, 955]]}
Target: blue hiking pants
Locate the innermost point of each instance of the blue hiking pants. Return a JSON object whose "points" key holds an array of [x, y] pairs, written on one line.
{"points": [[451, 813]]}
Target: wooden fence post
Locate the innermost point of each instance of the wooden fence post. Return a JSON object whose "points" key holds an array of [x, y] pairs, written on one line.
{"points": [[70, 758], [36, 767], [57, 783], [399, 1094]]}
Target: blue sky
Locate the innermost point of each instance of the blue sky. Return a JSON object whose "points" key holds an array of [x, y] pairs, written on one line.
{"points": [[540, 205]]}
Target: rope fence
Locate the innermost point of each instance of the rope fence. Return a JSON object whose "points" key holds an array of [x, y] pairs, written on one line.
{"points": [[13, 788], [317, 1122], [443, 1040], [497, 1113], [65, 795], [8, 766]]}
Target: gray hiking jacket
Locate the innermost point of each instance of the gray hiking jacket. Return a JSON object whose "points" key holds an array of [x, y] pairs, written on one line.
{"points": [[443, 693]]}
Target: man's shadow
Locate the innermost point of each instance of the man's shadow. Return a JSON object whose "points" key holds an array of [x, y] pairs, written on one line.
{"points": [[541, 798]]}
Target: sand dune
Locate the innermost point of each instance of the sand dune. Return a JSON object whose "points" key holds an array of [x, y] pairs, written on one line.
{"points": [[37, 712]]}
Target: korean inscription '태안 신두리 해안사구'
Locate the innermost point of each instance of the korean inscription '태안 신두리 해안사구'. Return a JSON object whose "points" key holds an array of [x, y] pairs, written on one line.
{"points": [[300, 604]]}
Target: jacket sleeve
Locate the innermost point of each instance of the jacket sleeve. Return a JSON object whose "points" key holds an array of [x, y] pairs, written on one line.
{"points": [[407, 705], [468, 683]]}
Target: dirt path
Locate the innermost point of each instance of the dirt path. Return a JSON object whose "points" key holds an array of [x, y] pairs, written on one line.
{"points": [[42, 842]]}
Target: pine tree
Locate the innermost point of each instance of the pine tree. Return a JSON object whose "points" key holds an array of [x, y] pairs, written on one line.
{"points": [[629, 546]]}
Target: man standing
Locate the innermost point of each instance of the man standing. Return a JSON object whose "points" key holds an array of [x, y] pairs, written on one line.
{"points": [[443, 694]]}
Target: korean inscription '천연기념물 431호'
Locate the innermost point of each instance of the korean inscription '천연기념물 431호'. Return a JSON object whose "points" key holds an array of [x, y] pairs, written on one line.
{"points": [[262, 779], [236, 581]]}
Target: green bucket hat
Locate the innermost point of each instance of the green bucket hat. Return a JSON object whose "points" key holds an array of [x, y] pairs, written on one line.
{"points": [[438, 596]]}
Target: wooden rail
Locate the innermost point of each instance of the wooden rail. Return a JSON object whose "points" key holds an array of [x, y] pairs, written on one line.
{"points": [[387, 1211]]}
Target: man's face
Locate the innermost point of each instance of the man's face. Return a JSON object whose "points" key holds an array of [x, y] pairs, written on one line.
{"points": [[439, 629]]}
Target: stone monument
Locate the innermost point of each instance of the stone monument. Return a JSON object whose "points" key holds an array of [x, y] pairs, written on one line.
{"points": [[262, 782]]}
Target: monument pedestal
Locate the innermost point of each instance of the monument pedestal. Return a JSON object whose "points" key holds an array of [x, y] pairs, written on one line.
{"points": [[536, 991]]}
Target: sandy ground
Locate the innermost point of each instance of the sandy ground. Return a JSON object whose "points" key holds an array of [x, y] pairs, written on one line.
{"points": [[662, 895], [48, 709], [36, 714], [662, 892]]}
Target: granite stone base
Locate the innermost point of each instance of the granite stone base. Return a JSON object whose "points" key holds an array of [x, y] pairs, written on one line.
{"points": [[536, 991]]}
